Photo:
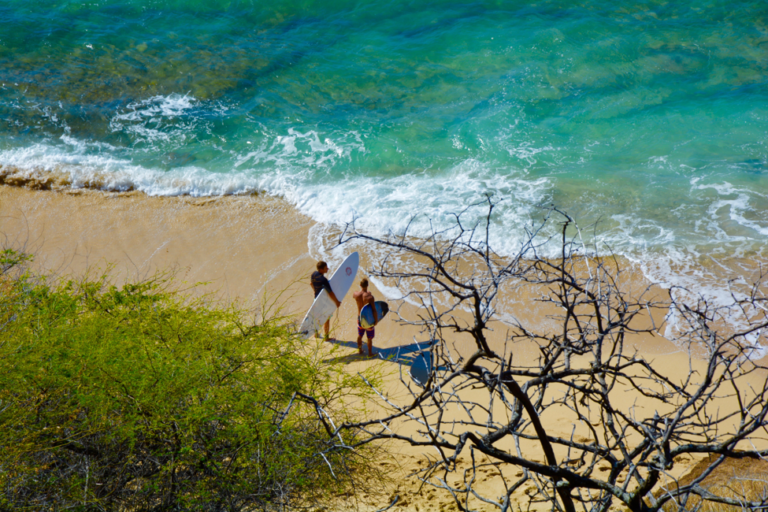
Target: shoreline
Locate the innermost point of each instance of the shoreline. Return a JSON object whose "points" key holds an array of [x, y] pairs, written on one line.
{"points": [[241, 247]]}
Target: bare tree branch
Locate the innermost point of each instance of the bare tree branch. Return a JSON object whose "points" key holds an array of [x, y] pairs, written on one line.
{"points": [[586, 372]]}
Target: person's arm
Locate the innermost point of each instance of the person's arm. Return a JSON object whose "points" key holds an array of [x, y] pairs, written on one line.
{"points": [[333, 297], [327, 286]]}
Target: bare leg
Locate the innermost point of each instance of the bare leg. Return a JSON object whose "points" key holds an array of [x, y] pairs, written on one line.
{"points": [[360, 344], [370, 347], [327, 328]]}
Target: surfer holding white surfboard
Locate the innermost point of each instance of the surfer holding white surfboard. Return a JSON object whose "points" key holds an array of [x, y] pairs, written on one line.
{"points": [[319, 282], [328, 294]]}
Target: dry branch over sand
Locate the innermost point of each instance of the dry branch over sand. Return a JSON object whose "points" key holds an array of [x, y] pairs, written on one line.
{"points": [[590, 423]]}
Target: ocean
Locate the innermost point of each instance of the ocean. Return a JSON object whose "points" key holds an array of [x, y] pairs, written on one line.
{"points": [[645, 121]]}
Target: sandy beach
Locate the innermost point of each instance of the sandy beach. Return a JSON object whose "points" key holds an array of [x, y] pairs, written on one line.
{"points": [[243, 247]]}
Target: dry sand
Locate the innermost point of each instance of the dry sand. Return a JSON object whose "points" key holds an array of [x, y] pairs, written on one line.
{"points": [[244, 247]]}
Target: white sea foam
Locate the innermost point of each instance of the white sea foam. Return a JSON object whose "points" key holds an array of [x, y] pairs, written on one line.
{"points": [[737, 201], [80, 169], [161, 118], [164, 106], [382, 205], [296, 166]]}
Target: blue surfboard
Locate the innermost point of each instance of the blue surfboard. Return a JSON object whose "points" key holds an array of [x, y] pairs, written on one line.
{"points": [[366, 314]]}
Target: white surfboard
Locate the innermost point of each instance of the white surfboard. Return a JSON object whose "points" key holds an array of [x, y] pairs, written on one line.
{"points": [[323, 307]]}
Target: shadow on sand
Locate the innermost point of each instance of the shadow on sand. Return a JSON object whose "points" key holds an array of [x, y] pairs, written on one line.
{"points": [[403, 354], [415, 357]]}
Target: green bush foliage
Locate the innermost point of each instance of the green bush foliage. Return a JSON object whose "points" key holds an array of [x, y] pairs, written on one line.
{"points": [[138, 397]]}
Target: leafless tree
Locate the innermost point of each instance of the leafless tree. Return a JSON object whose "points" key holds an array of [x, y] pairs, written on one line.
{"points": [[587, 371]]}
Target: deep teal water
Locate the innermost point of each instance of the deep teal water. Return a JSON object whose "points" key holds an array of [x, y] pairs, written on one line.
{"points": [[649, 118]]}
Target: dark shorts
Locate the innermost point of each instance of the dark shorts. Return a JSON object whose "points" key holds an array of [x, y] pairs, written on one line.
{"points": [[368, 332]]}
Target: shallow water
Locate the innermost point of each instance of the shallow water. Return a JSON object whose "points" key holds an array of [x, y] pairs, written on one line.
{"points": [[647, 118]]}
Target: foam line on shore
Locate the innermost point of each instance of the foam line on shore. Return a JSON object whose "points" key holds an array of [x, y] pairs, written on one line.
{"points": [[378, 206]]}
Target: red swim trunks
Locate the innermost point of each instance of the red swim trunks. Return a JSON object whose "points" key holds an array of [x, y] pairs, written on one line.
{"points": [[368, 332]]}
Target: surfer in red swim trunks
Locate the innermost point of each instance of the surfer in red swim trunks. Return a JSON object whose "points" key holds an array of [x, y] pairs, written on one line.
{"points": [[362, 298]]}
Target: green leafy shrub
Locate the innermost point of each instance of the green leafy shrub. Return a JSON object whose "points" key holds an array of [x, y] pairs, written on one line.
{"points": [[139, 397]]}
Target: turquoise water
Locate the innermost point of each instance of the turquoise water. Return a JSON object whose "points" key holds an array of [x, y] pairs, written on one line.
{"points": [[648, 118]]}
